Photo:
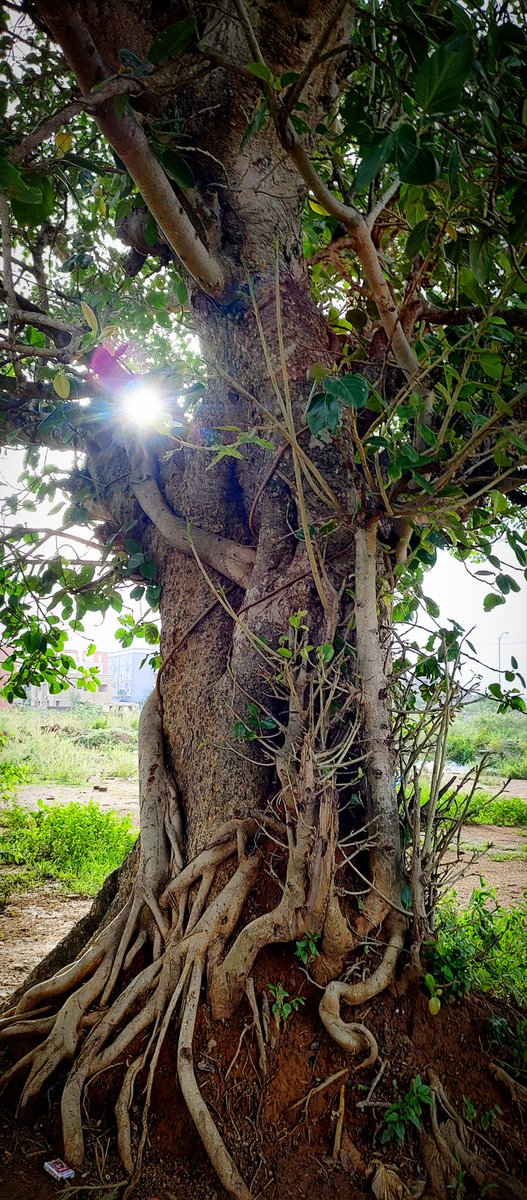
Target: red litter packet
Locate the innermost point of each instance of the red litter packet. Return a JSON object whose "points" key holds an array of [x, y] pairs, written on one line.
{"points": [[58, 1169]]}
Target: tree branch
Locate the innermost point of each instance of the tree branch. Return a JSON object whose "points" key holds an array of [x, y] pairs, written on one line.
{"points": [[117, 87], [295, 91], [130, 143], [382, 202], [436, 315], [231, 559], [7, 255]]}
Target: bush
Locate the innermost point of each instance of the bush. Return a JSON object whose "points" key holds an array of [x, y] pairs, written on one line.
{"points": [[460, 748], [69, 747], [482, 946], [75, 843], [505, 810], [479, 728]]}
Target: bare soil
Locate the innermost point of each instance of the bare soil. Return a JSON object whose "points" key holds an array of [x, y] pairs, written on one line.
{"points": [[281, 1129]]}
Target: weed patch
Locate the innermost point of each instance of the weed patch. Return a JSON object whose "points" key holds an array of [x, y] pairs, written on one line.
{"points": [[482, 946], [69, 747], [77, 844]]}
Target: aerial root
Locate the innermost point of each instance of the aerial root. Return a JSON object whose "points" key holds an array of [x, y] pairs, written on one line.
{"points": [[352, 1036], [448, 1151], [516, 1090], [214, 1145]]}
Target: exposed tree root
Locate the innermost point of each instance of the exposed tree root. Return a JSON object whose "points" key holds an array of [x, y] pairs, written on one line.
{"points": [[517, 1091], [450, 1152], [351, 1036], [180, 924]]}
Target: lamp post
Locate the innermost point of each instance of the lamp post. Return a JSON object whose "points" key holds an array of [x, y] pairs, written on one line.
{"points": [[504, 634]]}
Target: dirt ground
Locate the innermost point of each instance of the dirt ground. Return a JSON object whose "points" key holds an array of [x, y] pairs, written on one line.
{"points": [[281, 1128], [283, 1144]]}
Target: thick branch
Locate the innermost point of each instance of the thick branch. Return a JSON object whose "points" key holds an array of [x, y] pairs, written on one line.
{"points": [[231, 559], [130, 143], [435, 315]]}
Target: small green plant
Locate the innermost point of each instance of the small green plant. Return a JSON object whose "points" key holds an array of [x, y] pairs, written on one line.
{"points": [[490, 1117], [255, 725], [306, 947], [284, 1004], [406, 1111], [481, 945], [486, 1119], [509, 1045], [470, 1111]]}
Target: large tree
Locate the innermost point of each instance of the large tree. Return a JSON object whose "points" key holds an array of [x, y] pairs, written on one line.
{"points": [[331, 196]]}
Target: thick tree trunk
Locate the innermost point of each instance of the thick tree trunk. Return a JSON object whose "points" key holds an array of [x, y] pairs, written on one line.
{"points": [[210, 802]]}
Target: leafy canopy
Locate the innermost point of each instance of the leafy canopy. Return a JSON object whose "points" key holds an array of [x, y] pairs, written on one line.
{"points": [[428, 136]]}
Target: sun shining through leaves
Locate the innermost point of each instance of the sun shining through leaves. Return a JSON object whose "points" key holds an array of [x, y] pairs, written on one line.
{"points": [[144, 405]]}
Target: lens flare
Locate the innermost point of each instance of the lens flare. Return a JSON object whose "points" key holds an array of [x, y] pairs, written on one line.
{"points": [[144, 405]]}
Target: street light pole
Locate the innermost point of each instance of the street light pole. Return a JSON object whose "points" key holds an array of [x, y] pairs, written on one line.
{"points": [[504, 634]]}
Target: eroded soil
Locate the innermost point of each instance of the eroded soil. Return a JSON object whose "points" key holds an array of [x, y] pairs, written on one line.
{"points": [[283, 1142]]}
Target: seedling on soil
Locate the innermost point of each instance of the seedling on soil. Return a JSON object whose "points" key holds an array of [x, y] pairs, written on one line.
{"points": [[407, 1110], [306, 947], [284, 1005]]}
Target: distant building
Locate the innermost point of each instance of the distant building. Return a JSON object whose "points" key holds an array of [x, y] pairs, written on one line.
{"points": [[133, 680], [39, 695]]}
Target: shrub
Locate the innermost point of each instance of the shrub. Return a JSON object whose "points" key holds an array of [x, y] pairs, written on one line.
{"points": [[482, 946], [505, 810]]}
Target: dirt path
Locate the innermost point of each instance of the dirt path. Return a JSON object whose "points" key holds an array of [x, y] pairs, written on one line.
{"points": [[33, 923]]}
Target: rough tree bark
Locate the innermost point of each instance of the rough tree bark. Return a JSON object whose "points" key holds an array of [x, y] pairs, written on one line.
{"points": [[209, 805]]}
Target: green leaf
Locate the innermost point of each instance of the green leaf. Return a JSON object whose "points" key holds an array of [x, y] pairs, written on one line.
{"points": [[453, 169], [370, 166], [350, 390], [29, 215], [417, 237], [12, 183], [178, 168], [51, 420], [323, 414], [406, 896], [491, 364], [261, 71], [174, 40], [439, 81], [492, 600], [481, 257], [150, 230], [415, 164]]}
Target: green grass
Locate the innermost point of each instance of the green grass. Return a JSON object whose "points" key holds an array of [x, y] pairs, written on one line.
{"points": [[484, 809], [77, 844], [482, 945], [68, 747], [479, 729]]}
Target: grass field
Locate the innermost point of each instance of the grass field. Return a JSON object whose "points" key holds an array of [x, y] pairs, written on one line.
{"points": [[71, 747]]}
